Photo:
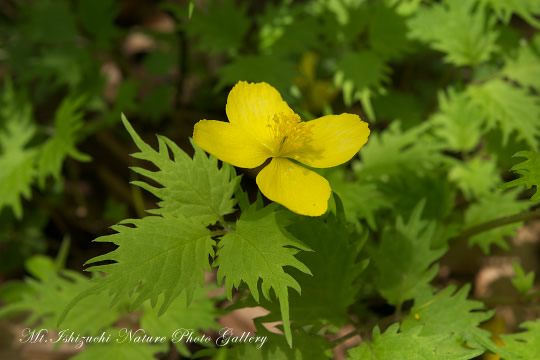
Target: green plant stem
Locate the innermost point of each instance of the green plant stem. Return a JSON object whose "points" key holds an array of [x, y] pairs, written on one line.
{"points": [[502, 221]]}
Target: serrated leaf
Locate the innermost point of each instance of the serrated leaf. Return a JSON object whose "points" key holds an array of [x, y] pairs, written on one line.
{"points": [[524, 67], [194, 187], [259, 249], [67, 121], [457, 28], [404, 189], [361, 200], [387, 32], [158, 255], [49, 297], [219, 29], [504, 9], [458, 122], [287, 30], [402, 261], [524, 345], [529, 171], [409, 345], [200, 315], [490, 207], [510, 108], [16, 159], [97, 18], [476, 178], [450, 313], [393, 151], [360, 71], [273, 69], [336, 265], [521, 281]]}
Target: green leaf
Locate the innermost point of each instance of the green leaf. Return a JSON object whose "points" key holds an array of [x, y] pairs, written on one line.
{"points": [[393, 152], [361, 200], [287, 30], [402, 260], [259, 249], [332, 287], [51, 294], [194, 187], [524, 67], [387, 32], [476, 178], [157, 255], [524, 345], [490, 207], [403, 191], [510, 108], [220, 29], [529, 171], [97, 18], [360, 71], [275, 70], [457, 28], [67, 121], [409, 345], [523, 283], [504, 9], [199, 315], [450, 313], [122, 351], [16, 159], [458, 122]]}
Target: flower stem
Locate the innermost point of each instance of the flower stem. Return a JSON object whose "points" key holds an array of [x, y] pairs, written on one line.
{"points": [[502, 221]]}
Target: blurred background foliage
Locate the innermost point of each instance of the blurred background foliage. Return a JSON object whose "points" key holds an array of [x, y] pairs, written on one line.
{"points": [[450, 89]]}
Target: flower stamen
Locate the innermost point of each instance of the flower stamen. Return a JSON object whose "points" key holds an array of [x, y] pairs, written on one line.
{"points": [[289, 133]]}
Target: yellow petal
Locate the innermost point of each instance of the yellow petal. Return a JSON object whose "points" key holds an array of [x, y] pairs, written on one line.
{"points": [[252, 106], [229, 143], [335, 140], [295, 187]]}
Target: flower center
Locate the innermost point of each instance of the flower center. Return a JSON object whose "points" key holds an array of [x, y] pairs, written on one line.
{"points": [[289, 133]]}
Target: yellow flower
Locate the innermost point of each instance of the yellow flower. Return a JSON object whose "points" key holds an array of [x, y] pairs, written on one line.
{"points": [[262, 126]]}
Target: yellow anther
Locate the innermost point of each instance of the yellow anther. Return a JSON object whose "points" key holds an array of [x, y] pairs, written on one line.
{"points": [[289, 133]]}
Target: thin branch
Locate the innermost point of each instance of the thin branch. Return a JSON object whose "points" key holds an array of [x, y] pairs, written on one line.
{"points": [[502, 221]]}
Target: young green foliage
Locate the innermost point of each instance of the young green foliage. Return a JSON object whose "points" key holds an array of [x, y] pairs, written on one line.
{"points": [[394, 152], [458, 28], [409, 345], [524, 345], [194, 187], [521, 281], [529, 171], [476, 178], [159, 254], [333, 285], [504, 9], [509, 108], [220, 29], [51, 292], [16, 158], [402, 262], [525, 66], [245, 256], [67, 121], [199, 315], [459, 123], [450, 313]]}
